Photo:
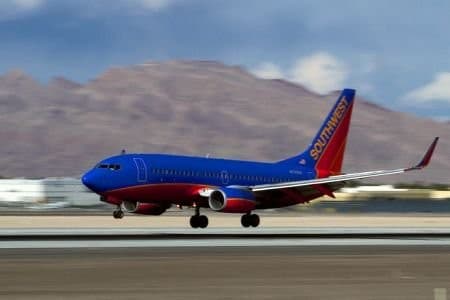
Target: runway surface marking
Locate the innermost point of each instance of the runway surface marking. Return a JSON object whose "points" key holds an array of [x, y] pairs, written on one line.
{"points": [[222, 243], [105, 231], [220, 237]]}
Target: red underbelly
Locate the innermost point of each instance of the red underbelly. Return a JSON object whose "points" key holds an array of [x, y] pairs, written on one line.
{"points": [[174, 193]]}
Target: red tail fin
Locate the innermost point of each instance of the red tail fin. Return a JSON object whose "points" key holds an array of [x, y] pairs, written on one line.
{"points": [[326, 152]]}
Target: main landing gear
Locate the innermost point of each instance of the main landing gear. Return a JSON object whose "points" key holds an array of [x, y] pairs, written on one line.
{"points": [[118, 213], [198, 220], [248, 220]]}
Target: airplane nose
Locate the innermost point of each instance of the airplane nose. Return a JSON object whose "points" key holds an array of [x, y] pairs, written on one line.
{"points": [[85, 179], [88, 181]]}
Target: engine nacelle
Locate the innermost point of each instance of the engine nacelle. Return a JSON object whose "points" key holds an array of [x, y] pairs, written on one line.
{"points": [[143, 208], [232, 200]]}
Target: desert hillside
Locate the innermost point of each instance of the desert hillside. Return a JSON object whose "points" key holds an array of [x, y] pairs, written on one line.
{"points": [[193, 107]]}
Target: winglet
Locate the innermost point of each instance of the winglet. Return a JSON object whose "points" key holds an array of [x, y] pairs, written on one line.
{"points": [[427, 157]]}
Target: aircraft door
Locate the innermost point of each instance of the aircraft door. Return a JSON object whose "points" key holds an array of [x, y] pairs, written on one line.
{"points": [[141, 169]]}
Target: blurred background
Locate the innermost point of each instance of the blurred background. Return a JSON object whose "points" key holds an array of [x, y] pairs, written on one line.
{"points": [[81, 80]]}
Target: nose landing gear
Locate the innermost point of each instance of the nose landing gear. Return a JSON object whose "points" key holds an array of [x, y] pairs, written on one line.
{"points": [[118, 213], [248, 220]]}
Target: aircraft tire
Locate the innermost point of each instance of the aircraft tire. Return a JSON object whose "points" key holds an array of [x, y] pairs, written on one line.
{"points": [[118, 214], [254, 220], [203, 221], [245, 220], [194, 221]]}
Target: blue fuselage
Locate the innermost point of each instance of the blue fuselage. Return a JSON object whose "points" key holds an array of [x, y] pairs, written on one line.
{"points": [[130, 170], [159, 177]]}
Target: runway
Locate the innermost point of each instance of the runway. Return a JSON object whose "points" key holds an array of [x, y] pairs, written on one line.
{"points": [[225, 263], [330, 272]]}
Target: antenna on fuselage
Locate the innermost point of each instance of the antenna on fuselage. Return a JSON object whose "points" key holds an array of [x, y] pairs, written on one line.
{"points": [[123, 152], [207, 155]]}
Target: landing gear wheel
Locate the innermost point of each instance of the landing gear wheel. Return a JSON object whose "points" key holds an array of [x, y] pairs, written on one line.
{"points": [[248, 220], [118, 214], [197, 221], [194, 222], [245, 220], [254, 220], [203, 221]]}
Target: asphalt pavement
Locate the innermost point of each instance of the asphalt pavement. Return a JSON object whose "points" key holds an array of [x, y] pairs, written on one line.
{"points": [[289, 272]]}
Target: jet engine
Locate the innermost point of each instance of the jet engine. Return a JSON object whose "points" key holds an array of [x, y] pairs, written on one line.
{"points": [[153, 209], [232, 200]]}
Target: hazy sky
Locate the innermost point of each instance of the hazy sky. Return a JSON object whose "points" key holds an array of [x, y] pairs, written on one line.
{"points": [[396, 53]]}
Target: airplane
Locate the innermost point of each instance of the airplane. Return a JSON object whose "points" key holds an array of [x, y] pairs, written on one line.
{"points": [[149, 184]]}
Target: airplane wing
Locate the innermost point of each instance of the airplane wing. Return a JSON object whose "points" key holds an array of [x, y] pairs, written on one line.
{"points": [[328, 184]]}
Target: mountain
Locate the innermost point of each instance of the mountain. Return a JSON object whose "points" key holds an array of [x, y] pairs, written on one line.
{"points": [[194, 107]]}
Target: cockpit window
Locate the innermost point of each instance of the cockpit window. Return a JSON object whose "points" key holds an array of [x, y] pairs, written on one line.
{"points": [[114, 167]]}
